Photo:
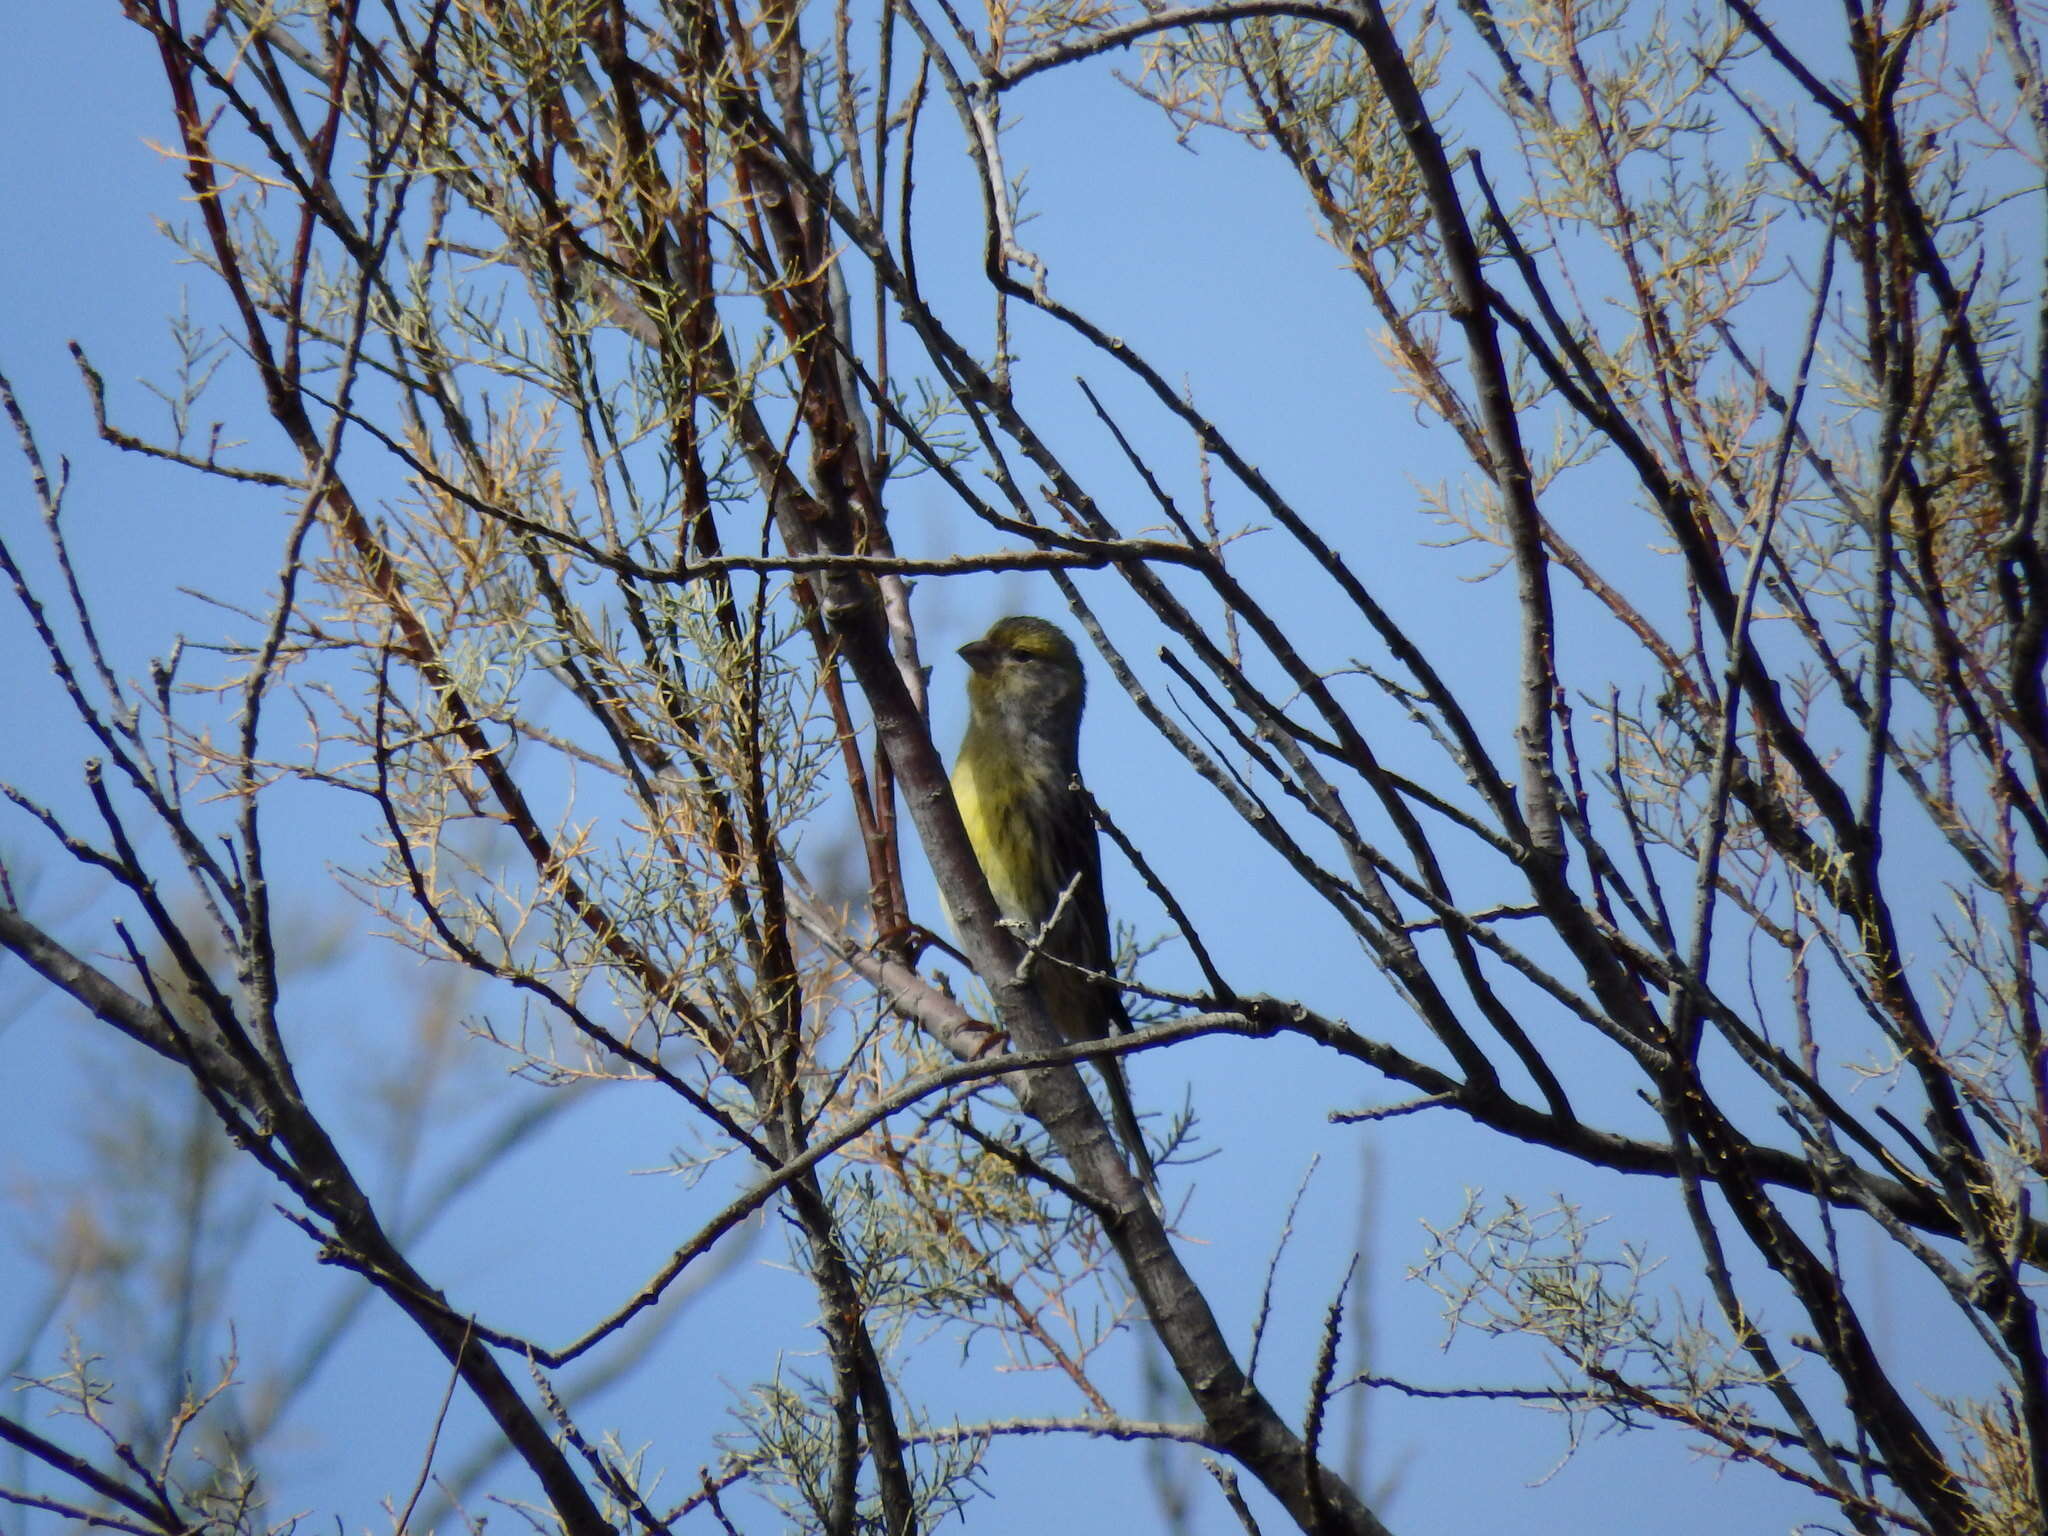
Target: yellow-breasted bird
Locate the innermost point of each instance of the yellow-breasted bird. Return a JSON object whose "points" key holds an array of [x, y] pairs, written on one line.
{"points": [[1017, 783]]}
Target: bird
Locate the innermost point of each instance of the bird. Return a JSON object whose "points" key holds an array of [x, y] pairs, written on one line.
{"points": [[1017, 783]]}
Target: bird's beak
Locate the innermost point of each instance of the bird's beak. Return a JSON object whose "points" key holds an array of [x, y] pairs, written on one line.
{"points": [[978, 654]]}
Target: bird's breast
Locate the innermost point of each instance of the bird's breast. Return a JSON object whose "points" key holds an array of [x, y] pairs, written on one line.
{"points": [[1003, 818]]}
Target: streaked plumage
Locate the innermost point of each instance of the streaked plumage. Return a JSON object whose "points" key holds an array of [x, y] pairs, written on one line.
{"points": [[1016, 781]]}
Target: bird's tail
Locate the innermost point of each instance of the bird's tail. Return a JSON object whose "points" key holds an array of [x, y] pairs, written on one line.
{"points": [[1127, 1129]]}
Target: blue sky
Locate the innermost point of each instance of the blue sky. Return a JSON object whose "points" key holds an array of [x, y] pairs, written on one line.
{"points": [[1279, 344]]}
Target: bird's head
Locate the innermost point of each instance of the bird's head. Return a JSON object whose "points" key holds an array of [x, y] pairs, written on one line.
{"points": [[1026, 677]]}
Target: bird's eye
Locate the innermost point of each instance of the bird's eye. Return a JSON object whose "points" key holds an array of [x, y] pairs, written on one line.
{"points": [[1020, 654]]}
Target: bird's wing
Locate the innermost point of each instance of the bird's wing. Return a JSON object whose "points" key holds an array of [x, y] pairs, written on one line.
{"points": [[1083, 937]]}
